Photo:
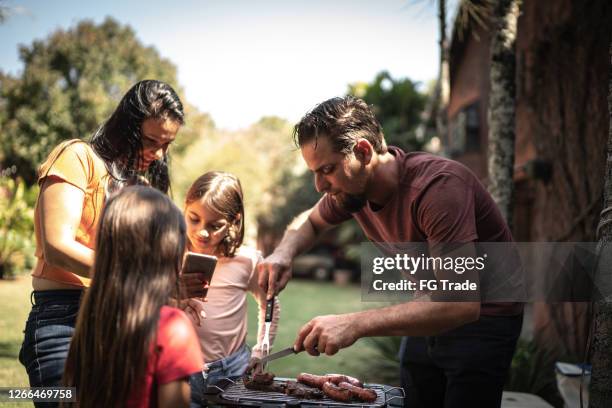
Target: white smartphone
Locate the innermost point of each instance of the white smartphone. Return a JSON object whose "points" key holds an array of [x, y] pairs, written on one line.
{"points": [[199, 263]]}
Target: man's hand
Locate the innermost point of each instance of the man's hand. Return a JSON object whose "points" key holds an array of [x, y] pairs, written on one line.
{"points": [[254, 366], [193, 285], [274, 273], [327, 334]]}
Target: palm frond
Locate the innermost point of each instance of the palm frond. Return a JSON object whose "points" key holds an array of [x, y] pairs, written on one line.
{"points": [[477, 11]]}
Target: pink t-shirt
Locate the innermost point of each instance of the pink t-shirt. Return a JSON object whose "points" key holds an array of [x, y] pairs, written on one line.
{"points": [[437, 200], [176, 355], [224, 330]]}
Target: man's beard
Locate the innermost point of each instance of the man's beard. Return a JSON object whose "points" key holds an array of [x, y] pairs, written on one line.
{"points": [[351, 202]]}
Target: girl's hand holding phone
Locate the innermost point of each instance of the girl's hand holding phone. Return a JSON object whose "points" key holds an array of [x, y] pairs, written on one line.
{"points": [[197, 272], [193, 285], [193, 310]]}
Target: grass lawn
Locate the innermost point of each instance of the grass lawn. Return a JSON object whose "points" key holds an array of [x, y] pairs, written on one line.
{"points": [[14, 309], [300, 301]]}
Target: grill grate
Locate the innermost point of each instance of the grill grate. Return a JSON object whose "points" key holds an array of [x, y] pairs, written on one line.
{"points": [[236, 392]]}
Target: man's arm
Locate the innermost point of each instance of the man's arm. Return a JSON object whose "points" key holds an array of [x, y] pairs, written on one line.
{"points": [[421, 317], [416, 318], [275, 270], [328, 334]]}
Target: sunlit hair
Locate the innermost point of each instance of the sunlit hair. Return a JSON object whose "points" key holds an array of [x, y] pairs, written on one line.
{"points": [[119, 140], [342, 121], [222, 193], [139, 249]]}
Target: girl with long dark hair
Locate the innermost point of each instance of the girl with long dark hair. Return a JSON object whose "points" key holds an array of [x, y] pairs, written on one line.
{"points": [[129, 348], [130, 147]]}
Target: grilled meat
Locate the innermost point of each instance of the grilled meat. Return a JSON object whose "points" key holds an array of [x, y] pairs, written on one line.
{"points": [[265, 382], [296, 389], [312, 380], [338, 378], [263, 378], [262, 382], [339, 387], [335, 386], [360, 393], [336, 393]]}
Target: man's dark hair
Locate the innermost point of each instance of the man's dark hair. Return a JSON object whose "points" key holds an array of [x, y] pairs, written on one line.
{"points": [[342, 121]]}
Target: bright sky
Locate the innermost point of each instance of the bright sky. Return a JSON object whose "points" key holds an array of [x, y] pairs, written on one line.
{"points": [[239, 60]]}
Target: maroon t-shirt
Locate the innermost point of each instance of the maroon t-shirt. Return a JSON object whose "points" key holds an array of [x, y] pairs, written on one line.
{"points": [[437, 200]]}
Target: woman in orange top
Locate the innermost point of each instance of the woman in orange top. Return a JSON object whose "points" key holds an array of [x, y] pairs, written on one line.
{"points": [[131, 147]]}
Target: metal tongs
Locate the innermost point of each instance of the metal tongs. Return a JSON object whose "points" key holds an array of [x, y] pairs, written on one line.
{"points": [[265, 343]]}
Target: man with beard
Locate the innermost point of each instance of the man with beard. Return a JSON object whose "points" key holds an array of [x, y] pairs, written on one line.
{"points": [[402, 197]]}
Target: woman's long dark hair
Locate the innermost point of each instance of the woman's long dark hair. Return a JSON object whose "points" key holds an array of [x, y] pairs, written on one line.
{"points": [[119, 142], [139, 250]]}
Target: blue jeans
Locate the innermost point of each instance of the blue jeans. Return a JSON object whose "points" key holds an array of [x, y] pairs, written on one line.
{"points": [[464, 367], [48, 332], [232, 366]]}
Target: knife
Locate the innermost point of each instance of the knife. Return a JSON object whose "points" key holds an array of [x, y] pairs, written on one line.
{"points": [[286, 352]]}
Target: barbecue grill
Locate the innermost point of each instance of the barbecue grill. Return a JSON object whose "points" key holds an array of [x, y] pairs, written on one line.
{"points": [[233, 393]]}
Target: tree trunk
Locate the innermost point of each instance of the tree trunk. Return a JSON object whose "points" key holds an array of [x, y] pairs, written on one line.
{"points": [[502, 106], [601, 381], [443, 85]]}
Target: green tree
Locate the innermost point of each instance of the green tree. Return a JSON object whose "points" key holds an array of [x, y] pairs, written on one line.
{"points": [[397, 105], [70, 83], [293, 195], [259, 156]]}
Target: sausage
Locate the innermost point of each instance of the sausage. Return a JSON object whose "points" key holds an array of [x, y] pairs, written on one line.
{"points": [[364, 394], [354, 381], [338, 378], [312, 380], [336, 393]]}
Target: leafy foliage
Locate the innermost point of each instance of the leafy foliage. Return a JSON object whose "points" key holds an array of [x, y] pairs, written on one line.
{"points": [[16, 226], [293, 195], [71, 82], [386, 361], [397, 104], [259, 156], [532, 371]]}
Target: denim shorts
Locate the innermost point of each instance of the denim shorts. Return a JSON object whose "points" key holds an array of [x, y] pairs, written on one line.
{"points": [[47, 336], [232, 366]]}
